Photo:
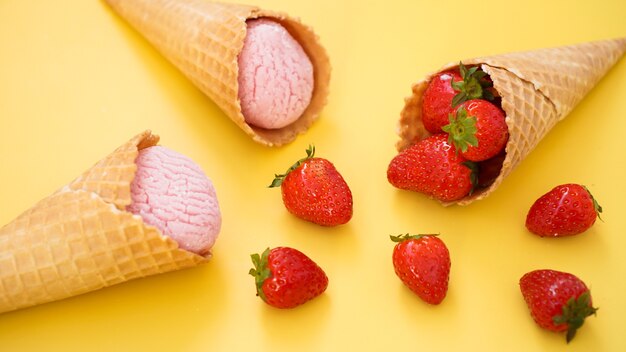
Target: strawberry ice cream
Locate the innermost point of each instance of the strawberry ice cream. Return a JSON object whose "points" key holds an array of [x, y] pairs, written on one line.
{"points": [[275, 76], [171, 193]]}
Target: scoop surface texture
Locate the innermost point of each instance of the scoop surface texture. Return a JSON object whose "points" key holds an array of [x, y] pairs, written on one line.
{"points": [[275, 76], [172, 193]]}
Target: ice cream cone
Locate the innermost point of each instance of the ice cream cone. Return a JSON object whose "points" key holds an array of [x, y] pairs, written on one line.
{"points": [[203, 39], [538, 89], [81, 238]]}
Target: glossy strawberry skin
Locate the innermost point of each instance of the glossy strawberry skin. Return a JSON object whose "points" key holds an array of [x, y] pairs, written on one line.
{"points": [[566, 210], [492, 131], [546, 292], [316, 192], [437, 100], [431, 166], [293, 278], [423, 265]]}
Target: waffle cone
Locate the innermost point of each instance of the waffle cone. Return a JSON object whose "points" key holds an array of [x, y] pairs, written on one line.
{"points": [[538, 89], [203, 40], [81, 239]]}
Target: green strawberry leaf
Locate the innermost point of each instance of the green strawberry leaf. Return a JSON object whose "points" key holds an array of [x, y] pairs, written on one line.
{"points": [[407, 236], [475, 169], [459, 99], [574, 313], [279, 178], [473, 86], [461, 130], [261, 272], [487, 95]]}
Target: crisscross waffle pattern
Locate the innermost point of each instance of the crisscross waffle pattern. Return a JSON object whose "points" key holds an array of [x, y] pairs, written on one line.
{"points": [[111, 177], [538, 89], [203, 40], [563, 74], [79, 240]]}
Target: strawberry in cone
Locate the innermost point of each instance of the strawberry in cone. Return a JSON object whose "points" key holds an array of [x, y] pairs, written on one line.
{"points": [[534, 89]]}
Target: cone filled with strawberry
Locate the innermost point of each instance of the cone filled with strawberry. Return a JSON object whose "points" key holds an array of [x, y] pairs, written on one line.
{"points": [[467, 126]]}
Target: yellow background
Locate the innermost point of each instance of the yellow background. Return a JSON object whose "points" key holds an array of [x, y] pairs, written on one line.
{"points": [[76, 81]]}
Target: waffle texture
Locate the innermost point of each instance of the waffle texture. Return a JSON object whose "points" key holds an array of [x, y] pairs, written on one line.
{"points": [[81, 239], [203, 39], [538, 89]]}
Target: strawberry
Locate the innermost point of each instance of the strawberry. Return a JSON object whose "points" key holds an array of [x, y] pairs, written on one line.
{"points": [[478, 130], [286, 277], [314, 190], [558, 301], [448, 89], [489, 170], [422, 262], [437, 100], [566, 210], [433, 167]]}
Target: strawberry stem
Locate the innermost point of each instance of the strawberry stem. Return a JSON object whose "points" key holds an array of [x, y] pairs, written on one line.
{"points": [[473, 85], [279, 178], [461, 130], [574, 313], [407, 236], [261, 272]]}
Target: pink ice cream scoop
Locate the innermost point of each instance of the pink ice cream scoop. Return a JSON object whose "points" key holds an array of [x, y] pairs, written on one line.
{"points": [[171, 193], [275, 76]]}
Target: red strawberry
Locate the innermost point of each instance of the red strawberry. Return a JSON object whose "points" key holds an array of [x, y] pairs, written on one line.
{"points": [[447, 90], [489, 170], [314, 190], [433, 167], [437, 100], [286, 277], [566, 210], [422, 262], [478, 129], [557, 301]]}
